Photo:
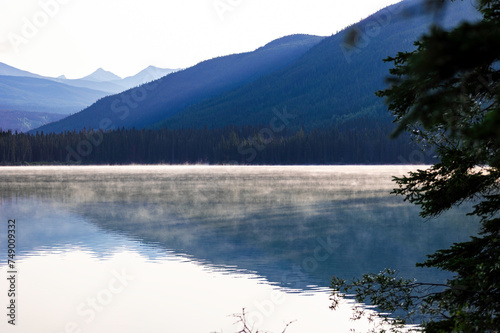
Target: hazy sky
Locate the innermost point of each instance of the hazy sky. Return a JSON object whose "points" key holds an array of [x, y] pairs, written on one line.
{"points": [[75, 37]]}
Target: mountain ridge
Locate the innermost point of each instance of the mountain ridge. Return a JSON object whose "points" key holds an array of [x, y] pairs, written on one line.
{"points": [[327, 81], [178, 90], [100, 79], [42, 95], [7, 70], [27, 94], [331, 85], [101, 75]]}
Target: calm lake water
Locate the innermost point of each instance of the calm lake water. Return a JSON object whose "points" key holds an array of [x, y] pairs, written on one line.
{"points": [[182, 248]]}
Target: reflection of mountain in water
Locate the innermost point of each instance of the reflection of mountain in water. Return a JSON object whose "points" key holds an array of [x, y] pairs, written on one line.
{"points": [[296, 226], [284, 244]]}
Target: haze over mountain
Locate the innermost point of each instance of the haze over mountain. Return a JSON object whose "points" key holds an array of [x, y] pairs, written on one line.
{"points": [[321, 82], [100, 79], [29, 100], [148, 74], [23, 121], [41, 95], [151, 103], [101, 75], [12, 71], [109, 82], [334, 83]]}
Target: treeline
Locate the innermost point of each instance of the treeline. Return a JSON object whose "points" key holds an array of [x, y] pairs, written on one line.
{"points": [[229, 145]]}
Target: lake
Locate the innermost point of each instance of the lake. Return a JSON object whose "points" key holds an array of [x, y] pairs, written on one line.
{"points": [[183, 248]]}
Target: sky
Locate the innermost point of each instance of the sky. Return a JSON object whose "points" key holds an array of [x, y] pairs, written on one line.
{"points": [[75, 37]]}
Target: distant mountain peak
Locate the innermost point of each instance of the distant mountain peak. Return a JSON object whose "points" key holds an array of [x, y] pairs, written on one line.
{"points": [[62, 77], [291, 39], [148, 74], [156, 70], [173, 93], [12, 71], [102, 76]]}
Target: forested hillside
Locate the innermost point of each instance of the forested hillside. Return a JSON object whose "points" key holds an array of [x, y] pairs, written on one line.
{"points": [[145, 105], [298, 100], [332, 84]]}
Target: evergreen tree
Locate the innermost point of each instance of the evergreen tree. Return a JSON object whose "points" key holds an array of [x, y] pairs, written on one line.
{"points": [[446, 93]]}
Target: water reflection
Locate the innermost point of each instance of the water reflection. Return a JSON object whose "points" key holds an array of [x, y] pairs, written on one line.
{"points": [[318, 221], [281, 227]]}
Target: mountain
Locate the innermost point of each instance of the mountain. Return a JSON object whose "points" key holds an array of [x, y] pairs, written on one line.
{"points": [[333, 84], [148, 104], [148, 74], [101, 75], [99, 80], [319, 82], [30, 100], [23, 121], [12, 71], [110, 87], [113, 84], [41, 95]]}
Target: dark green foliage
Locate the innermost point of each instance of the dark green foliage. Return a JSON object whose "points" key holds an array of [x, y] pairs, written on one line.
{"points": [[230, 145], [393, 295], [447, 94]]}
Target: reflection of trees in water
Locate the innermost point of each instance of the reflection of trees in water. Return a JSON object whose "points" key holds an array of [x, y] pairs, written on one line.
{"points": [[267, 220]]}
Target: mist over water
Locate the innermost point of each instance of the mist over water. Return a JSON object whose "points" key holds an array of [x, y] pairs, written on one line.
{"points": [[244, 231]]}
